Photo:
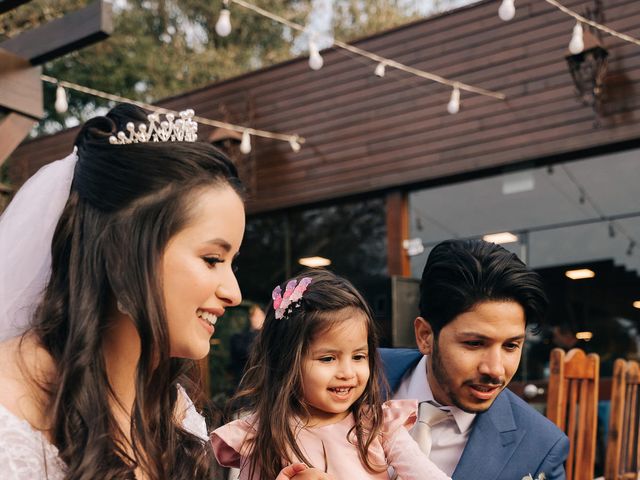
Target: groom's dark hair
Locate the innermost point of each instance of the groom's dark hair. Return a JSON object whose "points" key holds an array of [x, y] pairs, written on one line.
{"points": [[459, 274]]}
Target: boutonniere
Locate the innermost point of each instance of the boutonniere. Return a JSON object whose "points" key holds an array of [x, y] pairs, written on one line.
{"points": [[541, 476]]}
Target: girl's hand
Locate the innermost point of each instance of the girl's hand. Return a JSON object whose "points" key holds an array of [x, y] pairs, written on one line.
{"points": [[299, 471]]}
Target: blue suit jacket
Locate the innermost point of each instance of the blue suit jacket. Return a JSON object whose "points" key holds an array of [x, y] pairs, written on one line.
{"points": [[507, 442]]}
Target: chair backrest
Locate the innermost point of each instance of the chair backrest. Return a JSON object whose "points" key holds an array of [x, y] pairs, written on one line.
{"points": [[623, 448], [572, 404]]}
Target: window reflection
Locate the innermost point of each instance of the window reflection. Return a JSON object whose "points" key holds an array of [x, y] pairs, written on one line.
{"points": [[576, 215]]}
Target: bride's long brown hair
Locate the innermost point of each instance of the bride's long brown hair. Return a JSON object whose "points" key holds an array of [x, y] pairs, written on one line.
{"points": [[272, 385], [126, 203]]}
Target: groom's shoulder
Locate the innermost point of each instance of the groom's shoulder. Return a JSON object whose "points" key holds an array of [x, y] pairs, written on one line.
{"points": [[399, 359], [396, 362], [399, 353]]}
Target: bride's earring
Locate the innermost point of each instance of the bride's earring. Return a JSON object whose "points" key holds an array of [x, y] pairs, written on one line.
{"points": [[121, 308]]}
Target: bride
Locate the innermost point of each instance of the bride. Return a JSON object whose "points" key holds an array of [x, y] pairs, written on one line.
{"points": [[115, 264]]}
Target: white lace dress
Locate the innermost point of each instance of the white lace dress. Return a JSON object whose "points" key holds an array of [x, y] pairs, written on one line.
{"points": [[25, 454]]}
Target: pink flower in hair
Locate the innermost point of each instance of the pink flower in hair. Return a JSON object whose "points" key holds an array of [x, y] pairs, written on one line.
{"points": [[276, 296], [292, 295]]}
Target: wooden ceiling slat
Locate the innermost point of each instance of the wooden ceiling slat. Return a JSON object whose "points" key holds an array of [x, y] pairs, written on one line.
{"points": [[63, 35], [6, 5]]}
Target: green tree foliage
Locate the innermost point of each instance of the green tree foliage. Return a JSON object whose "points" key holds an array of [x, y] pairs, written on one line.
{"points": [[355, 18]]}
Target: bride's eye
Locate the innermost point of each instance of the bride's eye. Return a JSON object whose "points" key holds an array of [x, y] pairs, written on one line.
{"points": [[212, 261]]}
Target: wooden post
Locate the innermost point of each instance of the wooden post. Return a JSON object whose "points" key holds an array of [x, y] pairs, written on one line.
{"points": [[397, 207], [13, 129]]}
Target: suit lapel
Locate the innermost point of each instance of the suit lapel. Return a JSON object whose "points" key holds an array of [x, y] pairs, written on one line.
{"points": [[493, 439]]}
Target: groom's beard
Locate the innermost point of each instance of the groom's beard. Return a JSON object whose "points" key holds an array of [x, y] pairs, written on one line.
{"points": [[453, 388]]}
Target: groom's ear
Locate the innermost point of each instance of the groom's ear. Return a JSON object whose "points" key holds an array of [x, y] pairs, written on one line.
{"points": [[424, 335]]}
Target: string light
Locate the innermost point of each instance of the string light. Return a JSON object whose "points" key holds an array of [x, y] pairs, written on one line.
{"points": [[223, 25], [205, 121], [315, 59], [61, 104], [295, 146], [245, 144], [576, 45], [507, 10], [374, 57], [587, 21], [380, 70], [453, 106]]}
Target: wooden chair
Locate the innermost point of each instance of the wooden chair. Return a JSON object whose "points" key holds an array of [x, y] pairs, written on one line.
{"points": [[572, 404], [623, 447]]}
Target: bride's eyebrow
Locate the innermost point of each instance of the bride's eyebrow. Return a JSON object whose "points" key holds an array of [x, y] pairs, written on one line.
{"points": [[221, 243]]}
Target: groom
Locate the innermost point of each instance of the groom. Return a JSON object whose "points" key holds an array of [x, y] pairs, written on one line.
{"points": [[476, 299]]}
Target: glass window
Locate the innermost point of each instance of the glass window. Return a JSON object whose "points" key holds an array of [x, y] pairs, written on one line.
{"points": [[581, 215], [351, 235]]}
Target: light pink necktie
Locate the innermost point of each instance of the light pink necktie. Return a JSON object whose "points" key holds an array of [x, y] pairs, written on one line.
{"points": [[428, 416]]}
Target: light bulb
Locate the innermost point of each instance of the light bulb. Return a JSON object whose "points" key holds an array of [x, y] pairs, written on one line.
{"points": [[315, 59], [380, 69], [507, 10], [245, 144], [453, 106], [223, 25], [295, 145], [576, 45], [61, 104]]}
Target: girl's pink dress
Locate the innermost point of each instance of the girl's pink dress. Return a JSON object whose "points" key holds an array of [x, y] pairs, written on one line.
{"points": [[394, 447]]}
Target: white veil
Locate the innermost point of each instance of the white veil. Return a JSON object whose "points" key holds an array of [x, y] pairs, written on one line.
{"points": [[26, 232]]}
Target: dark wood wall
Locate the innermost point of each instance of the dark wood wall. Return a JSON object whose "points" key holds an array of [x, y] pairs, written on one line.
{"points": [[367, 134]]}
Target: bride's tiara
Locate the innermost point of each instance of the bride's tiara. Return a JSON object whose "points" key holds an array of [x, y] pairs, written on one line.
{"points": [[183, 129]]}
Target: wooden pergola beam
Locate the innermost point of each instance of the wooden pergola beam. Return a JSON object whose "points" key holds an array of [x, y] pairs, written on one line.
{"points": [[6, 5], [21, 87], [13, 129], [66, 34]]}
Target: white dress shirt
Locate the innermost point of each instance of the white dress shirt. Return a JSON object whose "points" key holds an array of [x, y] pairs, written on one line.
{"points": [[450, 436]]}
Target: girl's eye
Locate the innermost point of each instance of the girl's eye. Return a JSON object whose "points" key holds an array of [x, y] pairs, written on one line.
{"points": [[325, 359], [212, 261], [360, 356]]}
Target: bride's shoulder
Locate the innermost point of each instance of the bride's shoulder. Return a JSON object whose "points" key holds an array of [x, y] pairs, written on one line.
{"points": [[24, 365]]}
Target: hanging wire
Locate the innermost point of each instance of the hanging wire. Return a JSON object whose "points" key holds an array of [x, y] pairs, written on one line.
{"points": [[613, 225], [206, 121], [374, 57], [599, 26]]}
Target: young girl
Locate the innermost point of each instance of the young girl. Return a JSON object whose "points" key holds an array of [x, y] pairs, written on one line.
{"points": [[312, 390]]}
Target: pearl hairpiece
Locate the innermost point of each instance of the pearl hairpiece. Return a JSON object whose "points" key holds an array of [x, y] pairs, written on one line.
{"points": [[184, 129]]}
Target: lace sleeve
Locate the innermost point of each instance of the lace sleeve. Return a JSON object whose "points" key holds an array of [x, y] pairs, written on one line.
{"points": [[24, 453]]}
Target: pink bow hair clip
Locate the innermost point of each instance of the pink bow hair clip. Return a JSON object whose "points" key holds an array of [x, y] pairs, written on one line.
{"points": [[292, 295]]}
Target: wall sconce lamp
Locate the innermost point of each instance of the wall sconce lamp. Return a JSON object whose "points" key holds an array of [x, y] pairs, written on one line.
{"points": [[588, 69]]}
